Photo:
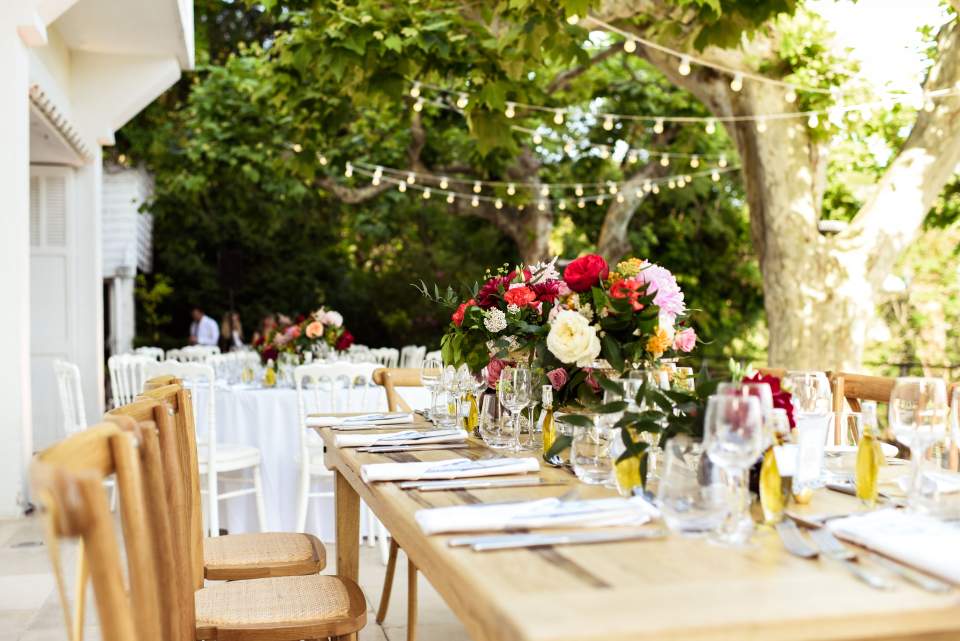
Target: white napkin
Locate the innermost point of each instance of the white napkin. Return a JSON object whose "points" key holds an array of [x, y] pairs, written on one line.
{"points": [[456, 468], [407, 437], [946, 482], [371, 420], [921, 541], [544, 513]]}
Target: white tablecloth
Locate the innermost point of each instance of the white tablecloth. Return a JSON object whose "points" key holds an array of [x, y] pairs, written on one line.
{"points": [[268, 420]]}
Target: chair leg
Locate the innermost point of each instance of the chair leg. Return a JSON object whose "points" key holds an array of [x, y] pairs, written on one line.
{"points": [[388, 582], [258, 494], [382, 536], [303, 497], [411, 601]]}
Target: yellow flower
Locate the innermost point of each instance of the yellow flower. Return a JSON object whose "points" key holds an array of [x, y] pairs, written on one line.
{"points": [[630, 268], [659, 343]]}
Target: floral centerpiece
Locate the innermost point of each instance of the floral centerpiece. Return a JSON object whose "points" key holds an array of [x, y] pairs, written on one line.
{"points": [[566, 327], [322, 329]]}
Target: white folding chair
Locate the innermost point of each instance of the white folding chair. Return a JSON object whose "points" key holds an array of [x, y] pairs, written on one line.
{"points": [[386, 356], [347, 387], [155, 353], [412, 356], [127, 376], [435, 354], [217, 459]]}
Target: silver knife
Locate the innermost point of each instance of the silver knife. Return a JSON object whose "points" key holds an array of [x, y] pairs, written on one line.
{"points": [[910, 575], [793, 541], [833, 549], [577, 538]]}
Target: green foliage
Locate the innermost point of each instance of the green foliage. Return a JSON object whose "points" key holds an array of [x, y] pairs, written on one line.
{"points": [[151, 297]]}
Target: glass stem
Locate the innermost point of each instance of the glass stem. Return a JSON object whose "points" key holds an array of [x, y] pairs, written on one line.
{"points": [[433, 402], [516, 429]]}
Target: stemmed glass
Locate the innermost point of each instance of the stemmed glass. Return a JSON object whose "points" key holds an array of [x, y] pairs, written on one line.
{"points": [[733, 435], [918, 417], [515, 390], [430, 373]]}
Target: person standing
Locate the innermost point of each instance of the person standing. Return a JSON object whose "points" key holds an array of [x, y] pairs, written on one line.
{"points": [[203, 330]]}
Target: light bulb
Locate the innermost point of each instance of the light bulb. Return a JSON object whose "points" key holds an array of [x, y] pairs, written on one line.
{"points": [[638, 193], [541, 205], [604, 152], [761, 126], [672, 184], [415, 90], [537, 139], [573, 19], [929, 105], [348, 171], [681, 181], [296, 148], [658, 126], [620, 198], [545, 191], [813, 120], [711, 126], [722, 162], [581, 204], [376, 180], [694, 161], [322, 160], [474, 202], [511, 189], [510, 111], [664, 160], [608, 123], [578, 190], [599, 200], [791, 95], [401, 187], [612, 188], [562, 204], [477, 187], [632, 158], [521, 207], [684, 68], [630, 45], [647, 186], [462, 101], [411, 178], [450, 198], [498, 204], [418, 105], [656, 189], [444, 183], [569, 148], [715, 175], [426, 194], [558, 117], [737, 83]]}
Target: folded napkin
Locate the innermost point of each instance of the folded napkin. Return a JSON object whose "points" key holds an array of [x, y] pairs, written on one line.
{"points": [[407, 437], [457, 468], [373, 420], [933, 482], [921, 541], [544, 513]]}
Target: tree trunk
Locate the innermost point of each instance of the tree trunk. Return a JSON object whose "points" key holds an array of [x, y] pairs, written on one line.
{"points": [[533, 235]]}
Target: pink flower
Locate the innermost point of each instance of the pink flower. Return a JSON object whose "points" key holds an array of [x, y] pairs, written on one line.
{"points": [[592, 382], [315, 330], [685, 340], [558, 377], [494, 367], [666, 293], [293, 332]]}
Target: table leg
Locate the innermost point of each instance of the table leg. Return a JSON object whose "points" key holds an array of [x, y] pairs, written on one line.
{"points": [[348, 528]]}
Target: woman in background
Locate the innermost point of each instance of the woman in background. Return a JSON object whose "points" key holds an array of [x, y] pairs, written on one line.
{"points": [[231, 332]]}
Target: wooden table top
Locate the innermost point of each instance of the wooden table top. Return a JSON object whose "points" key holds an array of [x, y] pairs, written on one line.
{"points": [[672, 588]]}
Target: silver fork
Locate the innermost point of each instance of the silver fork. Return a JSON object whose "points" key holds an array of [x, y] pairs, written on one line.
{"points": [[833, 549]]}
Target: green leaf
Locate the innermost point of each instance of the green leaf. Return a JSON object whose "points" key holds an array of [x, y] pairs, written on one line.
{"points": [[611, 351], [577, 420], [561, 443]]}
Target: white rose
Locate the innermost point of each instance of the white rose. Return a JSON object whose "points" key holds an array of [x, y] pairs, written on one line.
{"points": [[333, 318], [573, 339]]}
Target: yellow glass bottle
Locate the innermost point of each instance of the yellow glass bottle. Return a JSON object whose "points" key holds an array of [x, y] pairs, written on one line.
{"points": [[774, 489], [628, 475], [473, 413], [547, 427], [270, 375], [869, 457]]}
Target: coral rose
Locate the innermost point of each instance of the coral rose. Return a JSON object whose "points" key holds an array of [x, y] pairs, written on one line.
{"points": [[458, 315], [520, 296], [585, 272], [315, 330]]}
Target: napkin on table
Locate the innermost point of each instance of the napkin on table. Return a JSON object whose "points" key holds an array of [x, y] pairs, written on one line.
{"points": [[543, 513], [456, 468], [918, 540], [372, 420], [946, 482], [407, 437]]}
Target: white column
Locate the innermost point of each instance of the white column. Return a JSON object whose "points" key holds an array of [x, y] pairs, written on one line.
{"points": [[89, 348], [125, 328], [15, 418]]}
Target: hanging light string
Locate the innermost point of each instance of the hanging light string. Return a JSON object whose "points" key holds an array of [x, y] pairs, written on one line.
{"points": [[440, 186]]}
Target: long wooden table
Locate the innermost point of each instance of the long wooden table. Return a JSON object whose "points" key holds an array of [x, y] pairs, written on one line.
{"points": [[673, 588]]}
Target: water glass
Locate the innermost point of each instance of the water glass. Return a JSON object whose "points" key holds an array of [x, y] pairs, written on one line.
{"points": [[590, 453], [430, 378], [919, 415], [515, 389], [494, 423], [691, 496]]}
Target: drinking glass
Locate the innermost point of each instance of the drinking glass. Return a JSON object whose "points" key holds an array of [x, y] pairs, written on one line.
{"points": [[813, 413], [691, 497], [514, 389], [464, 385], [734, 438], [430, 378], [445, 413], [493, 421], [918, 415], [590, 453]]}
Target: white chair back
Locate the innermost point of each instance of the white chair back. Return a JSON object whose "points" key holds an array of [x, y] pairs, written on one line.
{"points": [[155, 353], [71, 396], [412, 356], [435, 354], [386, 356], [127, 376]]}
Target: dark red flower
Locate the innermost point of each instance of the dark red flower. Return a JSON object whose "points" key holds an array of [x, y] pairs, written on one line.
{"points": [[781, 397], [586, 272], [547, 291], [487, 296], [270, 353], [458, 315], [299, 319], [344, 342]]}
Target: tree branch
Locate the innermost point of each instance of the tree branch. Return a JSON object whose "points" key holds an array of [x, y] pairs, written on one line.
{"points": [[564, 78], [612, 243]]}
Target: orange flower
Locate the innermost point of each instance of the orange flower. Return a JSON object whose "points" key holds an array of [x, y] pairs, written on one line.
{"points": [[520, 296], [315, 330], [659, 343]]}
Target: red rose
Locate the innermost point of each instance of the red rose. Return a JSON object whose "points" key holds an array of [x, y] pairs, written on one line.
{"points": [[344, 342], [781, 397], [548, 290], [494, 367], [458, 315], [269, 354], [299, 319], [586, 272], [520, 296]]}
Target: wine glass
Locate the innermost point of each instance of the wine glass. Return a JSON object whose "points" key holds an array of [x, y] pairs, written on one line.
{"points": [[763, 394], [918, 417], [733, 436], [514, 391], [430, 378]]}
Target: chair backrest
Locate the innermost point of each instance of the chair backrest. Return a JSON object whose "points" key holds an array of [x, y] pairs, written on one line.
{"points": [[193, 353], [434, 354], [412, 356], [71, 396], [391, 379], [156, 353], [201, 378], [345, 386], [386, 356], [127, 375], [67, 481]]}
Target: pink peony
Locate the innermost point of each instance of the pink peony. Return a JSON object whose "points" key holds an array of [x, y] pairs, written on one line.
{"points": [[666, 293], [292, 332], [685, 340], [558, 377]]}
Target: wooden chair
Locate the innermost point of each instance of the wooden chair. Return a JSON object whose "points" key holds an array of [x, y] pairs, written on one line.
{"points": [[778, 372], [390, 379], [234, 556], [285, 608], [850, 390]]}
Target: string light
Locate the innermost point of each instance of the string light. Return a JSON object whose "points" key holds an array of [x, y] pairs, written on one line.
{"points": [[612, 187], [444, 183], [791, 95], [581, 204], [322, 160], [426, 194], [569, 148], [545, 191], [737, 83], [418, 105], [658, 126], [694, 161], [541, 205], [714, 175], [608, 123], [630, 45], [537, 138], [562, 204], [474, 202], [711, 126], [578, 190], [638, 193], [813, 121], [558, 117], [929, 105], [376, 180], [411, 177], [722, 162], [672, 184], [462, 101], [348, 171], [599, 200], [401, 187], [510, 111], [604, 152], [450, 198], [498, 204], [477, 187], [633, 157], [511, 189], [573, 19], [655, 189], [664, 160], [620, 198], [684, 67], [415, 90]]}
